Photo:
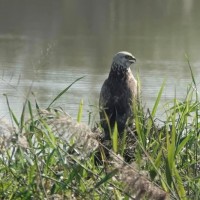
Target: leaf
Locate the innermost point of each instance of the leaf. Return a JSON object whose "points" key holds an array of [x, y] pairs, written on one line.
{"points": [[191, 72], [106, 178], [182, 144], [61, 93], [80, 111], [115, 138], [30, 110], [157, 100], [11, 112], [179, 184], [22, 116], [150, 121]]}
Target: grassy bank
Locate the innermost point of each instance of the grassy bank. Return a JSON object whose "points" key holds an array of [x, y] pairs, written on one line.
{"points": [[48, 155]]}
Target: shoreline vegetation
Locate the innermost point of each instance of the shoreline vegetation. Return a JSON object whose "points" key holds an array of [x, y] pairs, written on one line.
{"points": [[52, 156]]}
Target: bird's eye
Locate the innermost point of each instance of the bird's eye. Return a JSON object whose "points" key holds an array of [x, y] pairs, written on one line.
{"points": [[128, 57]]}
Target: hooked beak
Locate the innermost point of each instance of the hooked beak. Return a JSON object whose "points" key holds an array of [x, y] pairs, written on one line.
{"points": [[132, 60]]}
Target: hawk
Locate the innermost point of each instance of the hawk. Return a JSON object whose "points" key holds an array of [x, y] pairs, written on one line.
{"points": [[118, 93]]}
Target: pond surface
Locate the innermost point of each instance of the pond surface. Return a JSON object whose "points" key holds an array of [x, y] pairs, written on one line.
{"points": [[46, 45]]}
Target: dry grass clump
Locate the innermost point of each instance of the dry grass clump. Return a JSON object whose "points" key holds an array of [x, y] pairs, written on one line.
{"points": [[136, 183], [77, 135], [6, 134]]}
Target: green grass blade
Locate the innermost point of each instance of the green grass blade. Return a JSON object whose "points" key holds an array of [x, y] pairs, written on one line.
{"points": [[158, 159], [108, 123], [157, 100], [61, 93], [182, 144], [155, 107], [30, 110], [191, 72], [123, 143], [171, 145], [179, 185], [139, 123], [80, 111], [11, 112], [115, 138], [106, 178], [171, 149], [36, 105], [168, 173], [22, 116]]}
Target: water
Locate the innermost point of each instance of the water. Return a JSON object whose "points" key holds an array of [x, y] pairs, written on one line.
{"points": [[46, 45]]}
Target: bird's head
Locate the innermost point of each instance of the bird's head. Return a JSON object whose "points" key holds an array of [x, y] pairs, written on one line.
{"points": [[123, 60]]}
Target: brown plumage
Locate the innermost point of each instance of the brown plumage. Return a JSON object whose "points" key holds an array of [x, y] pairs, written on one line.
{"points": [[118, 93]]}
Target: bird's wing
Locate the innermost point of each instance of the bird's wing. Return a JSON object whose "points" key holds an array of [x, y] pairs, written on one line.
{"points": [[106, 106], [132, 84], [105, 95]]}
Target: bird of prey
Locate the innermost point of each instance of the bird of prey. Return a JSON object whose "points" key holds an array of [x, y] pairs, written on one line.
{"points": [[118, 94]]}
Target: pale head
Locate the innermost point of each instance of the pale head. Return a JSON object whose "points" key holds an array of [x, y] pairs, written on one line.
{"points": [[124, 59]]}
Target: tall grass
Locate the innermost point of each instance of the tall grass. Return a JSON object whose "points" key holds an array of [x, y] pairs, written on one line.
{"points": [[52, 156]]}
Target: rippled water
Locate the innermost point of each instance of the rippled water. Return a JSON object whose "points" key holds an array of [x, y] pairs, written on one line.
{"points": [[45, 46]]}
